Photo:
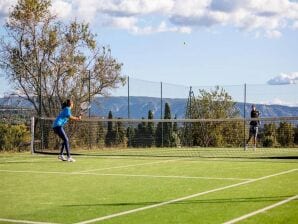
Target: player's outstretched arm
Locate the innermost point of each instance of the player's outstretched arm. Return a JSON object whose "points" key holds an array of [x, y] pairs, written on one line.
{"points": [[75, 118]]}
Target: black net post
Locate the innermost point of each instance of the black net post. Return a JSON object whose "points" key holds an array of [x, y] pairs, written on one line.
{"points": [[244, 116]]}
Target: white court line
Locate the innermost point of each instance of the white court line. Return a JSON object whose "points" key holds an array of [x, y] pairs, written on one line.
{"points": [[182, 199], [122, 175], [19, 161], [261, 210], [139, 164], [165, 176], [23, 221]]}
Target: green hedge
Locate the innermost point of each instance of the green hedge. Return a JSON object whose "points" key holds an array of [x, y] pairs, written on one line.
{"points": [[14, 137]]}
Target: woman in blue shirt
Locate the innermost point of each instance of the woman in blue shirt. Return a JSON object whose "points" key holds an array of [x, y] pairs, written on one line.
{"points": [[60, 121]]}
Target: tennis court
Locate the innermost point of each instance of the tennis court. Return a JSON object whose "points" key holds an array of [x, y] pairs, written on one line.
{"points": [[114, 186]]}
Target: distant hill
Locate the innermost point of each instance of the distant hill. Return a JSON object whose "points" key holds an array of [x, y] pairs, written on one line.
{"points": [[139, 107]]}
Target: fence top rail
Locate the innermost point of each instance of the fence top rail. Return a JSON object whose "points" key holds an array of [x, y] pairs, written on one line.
{"points": [[217, 120]]}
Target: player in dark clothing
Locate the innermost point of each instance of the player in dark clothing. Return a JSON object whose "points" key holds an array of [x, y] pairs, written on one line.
{"points": [[254, 127]]}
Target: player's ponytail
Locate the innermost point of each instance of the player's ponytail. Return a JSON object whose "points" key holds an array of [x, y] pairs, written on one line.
{"points": [[63, 105], [67, 103]]}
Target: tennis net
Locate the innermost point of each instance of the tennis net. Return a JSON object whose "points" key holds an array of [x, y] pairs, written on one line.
{"points": [[277, 137]]}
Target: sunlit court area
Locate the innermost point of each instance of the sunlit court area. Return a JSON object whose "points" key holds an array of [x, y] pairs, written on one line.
{"points": [[151, 112], [122, 183], [126, 186]]}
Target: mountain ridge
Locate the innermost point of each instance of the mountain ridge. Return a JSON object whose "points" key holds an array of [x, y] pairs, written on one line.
{"points": [[139, 107]]}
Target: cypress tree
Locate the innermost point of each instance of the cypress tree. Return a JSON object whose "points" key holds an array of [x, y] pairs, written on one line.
{"points": [[158, 135], [110, 136], [164, 131], [176, 138], [140, 136], [150, 131], [120, 139], [168, 127], [130, 134]]}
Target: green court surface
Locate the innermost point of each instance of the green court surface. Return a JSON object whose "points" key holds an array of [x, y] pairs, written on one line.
{"points": [[126, 188]]}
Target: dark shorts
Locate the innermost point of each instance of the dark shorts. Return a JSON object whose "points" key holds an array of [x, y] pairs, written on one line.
{"points": [[253, 130]]}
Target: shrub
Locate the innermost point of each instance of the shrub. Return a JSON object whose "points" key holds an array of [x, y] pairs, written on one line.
{"points": [[14, 137]]}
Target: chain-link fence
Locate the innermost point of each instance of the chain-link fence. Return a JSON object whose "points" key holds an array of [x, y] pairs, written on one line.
{"points": [[137, 97]]}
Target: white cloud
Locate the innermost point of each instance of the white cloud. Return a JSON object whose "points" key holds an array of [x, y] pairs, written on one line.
{"points": [[61, 8], [268, 7], [284, 79], [265, 17], [273, 34], [130, 23], [189, 8], [123, 8], [278, 101], [5, 6], [295, 25]]}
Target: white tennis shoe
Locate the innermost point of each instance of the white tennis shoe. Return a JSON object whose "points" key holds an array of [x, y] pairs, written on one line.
{"points": [[61, 157], [69, 159]]}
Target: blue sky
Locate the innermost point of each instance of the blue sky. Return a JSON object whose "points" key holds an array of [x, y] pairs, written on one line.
{"points": [[192, 42]]}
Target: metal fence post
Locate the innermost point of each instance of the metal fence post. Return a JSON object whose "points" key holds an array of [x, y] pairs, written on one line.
{"points": [[89, 112], [128, 98], [161, 111], [244, 115], [32, 134]]}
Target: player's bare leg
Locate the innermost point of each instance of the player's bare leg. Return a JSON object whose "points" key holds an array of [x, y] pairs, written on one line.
{"points": [[255, 143]]}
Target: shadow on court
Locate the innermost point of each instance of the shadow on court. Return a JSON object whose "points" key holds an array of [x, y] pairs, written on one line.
{"points": [[188, 155], [204, 201]]}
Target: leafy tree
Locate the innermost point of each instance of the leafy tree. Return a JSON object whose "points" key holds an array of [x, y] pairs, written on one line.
{"points": [[269, 137], [13, 137], [48, 61], [216, 104], [285, 134]]}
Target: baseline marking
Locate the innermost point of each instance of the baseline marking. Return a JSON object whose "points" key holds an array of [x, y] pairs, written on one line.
{"points": [[164, 176], [182, 199], [24, 221], [261, 210], [123, 175]]}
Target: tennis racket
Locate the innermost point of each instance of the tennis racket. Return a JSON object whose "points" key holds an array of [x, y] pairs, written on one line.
{"points": [[85, 107]]}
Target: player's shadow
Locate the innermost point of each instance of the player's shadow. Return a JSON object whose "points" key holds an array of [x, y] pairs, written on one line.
{"points": [[197, 201]]}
